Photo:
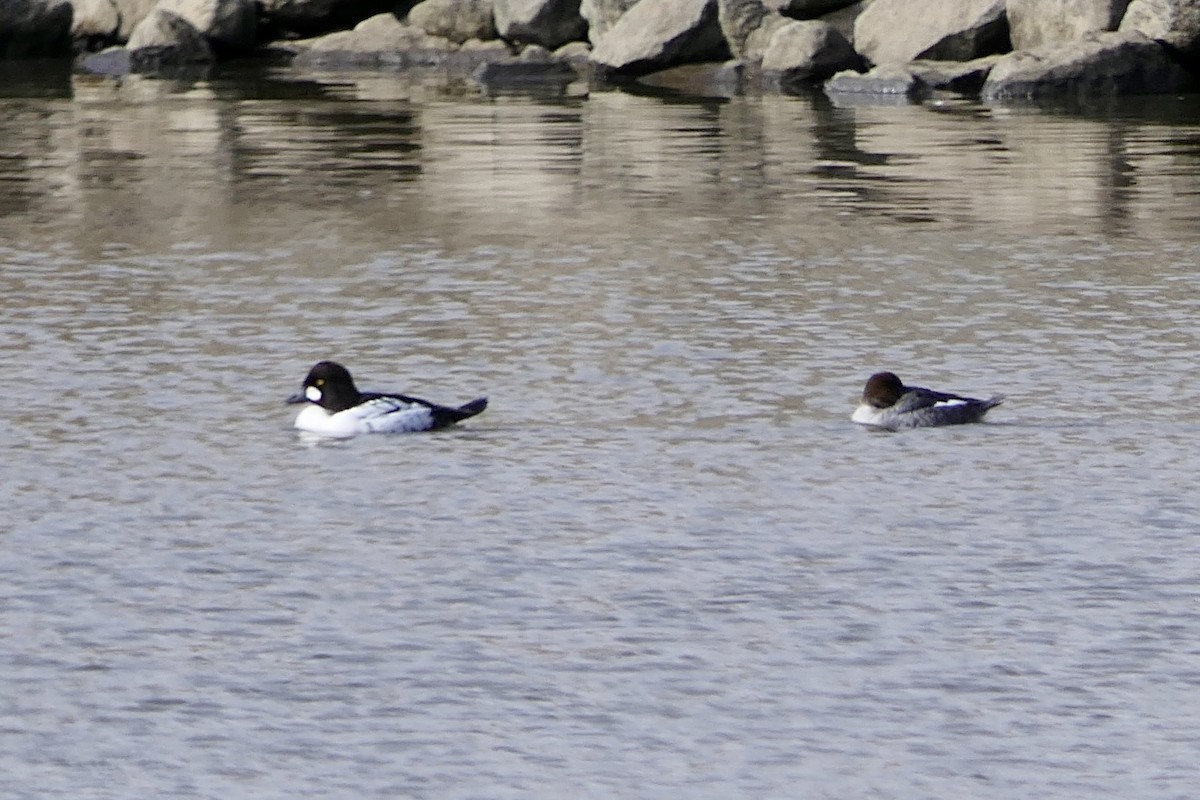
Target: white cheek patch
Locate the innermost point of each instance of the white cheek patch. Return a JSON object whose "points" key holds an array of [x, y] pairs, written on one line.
{"points": [[312, 393]]}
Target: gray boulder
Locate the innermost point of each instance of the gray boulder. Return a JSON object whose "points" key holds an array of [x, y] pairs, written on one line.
{"points": [[164, 40], [129, 14], [807, 52], [899, 31], [601, 15], [227, 24], [1034, 23], [35, 28], [550, 23], [656, 34], [95, 22], [843, 19], [456, 20], [1098, 66], [748, 26], [1174, 22]]}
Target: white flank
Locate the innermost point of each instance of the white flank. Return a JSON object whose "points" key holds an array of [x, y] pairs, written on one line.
{"points": [[865, 415], [315, 419]]}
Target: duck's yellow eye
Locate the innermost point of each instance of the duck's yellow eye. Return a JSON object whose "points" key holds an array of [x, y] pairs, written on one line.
{"points": [[320, 381]]}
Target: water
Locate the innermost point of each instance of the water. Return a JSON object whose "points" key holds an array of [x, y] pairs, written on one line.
{"points": [[663, 563]]}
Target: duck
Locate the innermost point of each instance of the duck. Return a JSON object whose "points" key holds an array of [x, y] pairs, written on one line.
{"points": [[888, 403], [335, 407]]}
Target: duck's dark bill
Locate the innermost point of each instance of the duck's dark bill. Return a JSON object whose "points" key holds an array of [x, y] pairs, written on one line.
{"points": [[298, 397]]}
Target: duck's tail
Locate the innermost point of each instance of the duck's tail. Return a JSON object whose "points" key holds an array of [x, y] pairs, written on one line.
{"points": [[993, 401], [448, 416]]}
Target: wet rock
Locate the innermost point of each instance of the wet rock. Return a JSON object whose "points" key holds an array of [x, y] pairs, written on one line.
{"points": [[113, 61], [962, 77], [601, 15], [1035, 23], [489, 48], [379, 42], [709, 79], [1176, 23], [163, 40], [474, 52], [35, 28], [550, 23], [456, 20], [535, 66], [887, 80], [656, 34], [229, 25], [1100, 65], [574, 53], [899, 31], [807, 52]]}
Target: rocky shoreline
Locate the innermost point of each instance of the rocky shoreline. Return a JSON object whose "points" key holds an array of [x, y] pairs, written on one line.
{"points": [[905, 50]]}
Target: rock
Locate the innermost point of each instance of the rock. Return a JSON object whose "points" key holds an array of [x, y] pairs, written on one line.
{"points": [[229, 25], [1034, 23], [164, 40], [535, 66], [886, 80], [843, 19], [656, 34], [748, 26], [963, 77], [379, 42], [899, 31], [806, 9], [474, 52], [313, 17], [130, 13], [535, 54], [491, 48], [1098, 66], [35, 28], [807, 52], [574, 53], [456, 20], [550, 23], [1176, 23], [113, 61], [95, 22], [601, 15], [709, 79]]}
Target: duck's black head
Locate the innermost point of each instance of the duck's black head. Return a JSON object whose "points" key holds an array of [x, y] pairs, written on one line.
{"points": [[328, 385], [883, 389]]}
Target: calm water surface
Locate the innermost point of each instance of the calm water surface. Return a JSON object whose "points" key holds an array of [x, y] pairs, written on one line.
{"points": [[663, 564]]}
